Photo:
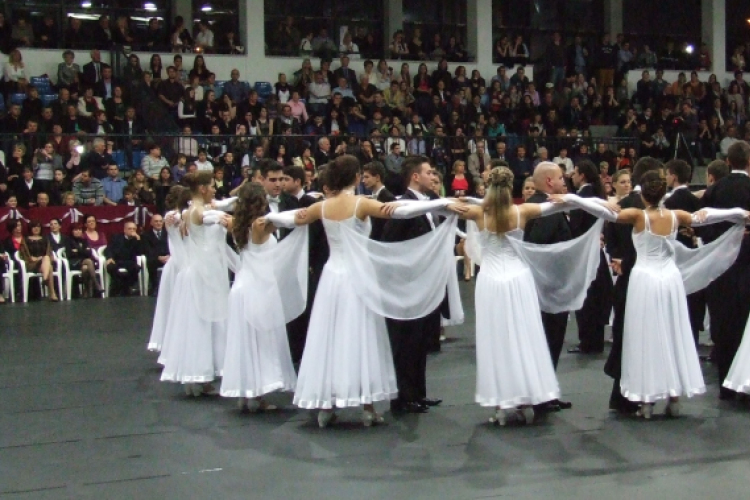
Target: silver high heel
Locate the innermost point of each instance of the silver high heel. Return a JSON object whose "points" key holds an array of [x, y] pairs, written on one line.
{"points": [[527, 414], [325, 417], [500, 418], [370, 418], [646, 410], [256, 405], [673, 409]]}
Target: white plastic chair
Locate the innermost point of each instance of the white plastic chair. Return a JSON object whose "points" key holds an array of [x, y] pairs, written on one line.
{"points": [[101, 270], [69, 274], [26, 278], [142, 275], [9, 277]]}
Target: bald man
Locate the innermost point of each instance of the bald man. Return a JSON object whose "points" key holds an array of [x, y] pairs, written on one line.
{"points": [[548, 179]]}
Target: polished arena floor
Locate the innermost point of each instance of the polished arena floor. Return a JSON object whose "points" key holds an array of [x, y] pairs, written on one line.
{"points": [[84, 416]]}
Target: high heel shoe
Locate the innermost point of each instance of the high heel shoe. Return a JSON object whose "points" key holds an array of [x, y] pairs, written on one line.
{"points": [[527, 414], [370, 418], [500, 418], [258, 405], [673, 409], [646, 410], [326, 417]]}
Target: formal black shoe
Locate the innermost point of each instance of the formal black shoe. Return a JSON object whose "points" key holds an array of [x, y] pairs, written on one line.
{"points": [[414, 407], [576, 350], [431, 402], [727, 394], [564, 405]]}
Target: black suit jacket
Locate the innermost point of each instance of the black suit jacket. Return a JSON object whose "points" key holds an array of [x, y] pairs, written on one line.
{"points": [[153, 246], [733, 191], [384, 196], [121, 249], [683, 199], [88, 73], [406, 229], [318, 247], [580, 220], [101, 91], [546, 230], [24, 194], [55, 246], [619, 237], [286, 203]]}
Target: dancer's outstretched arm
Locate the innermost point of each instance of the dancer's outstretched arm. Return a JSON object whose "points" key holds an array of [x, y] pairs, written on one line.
{"points": [[595, 206], [708, 216]]}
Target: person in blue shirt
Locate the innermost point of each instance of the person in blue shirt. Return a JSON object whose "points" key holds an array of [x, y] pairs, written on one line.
{"points": [[113, 186]]}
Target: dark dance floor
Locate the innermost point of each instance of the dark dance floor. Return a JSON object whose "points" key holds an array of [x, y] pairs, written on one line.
{"points": [[84, 416]]}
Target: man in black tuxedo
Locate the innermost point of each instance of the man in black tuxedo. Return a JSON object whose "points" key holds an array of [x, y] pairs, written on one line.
{"points": [[373, 174], [594, 314], [681, 198], [156, 247], [121, 253], [619, 239], [272, 174], [548, 179], [92, 72], [410, 340], [728, 298], [294, 178]]}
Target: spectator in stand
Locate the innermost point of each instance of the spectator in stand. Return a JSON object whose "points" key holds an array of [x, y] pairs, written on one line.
{"points": [[202, 162], [520, 51], [75, 38], [323, 46], [14, 72], [94, 238], [89, 104], [68, 72], [555, 57], [79, 256], [102, 34], [187, 108], [121, 254], [56, 239], [319, 94], [26, 188], [88, 189], [22, 33], [606, 61], [60, 185], [180, 38], [738, 58], [129, 198], [121, 35], [577, 57], [156, 249], [104, 88], [171, 91], [47, 36], [141, 187], [348, 47], [45, 161], [36, 253], [93, 71], [729, 140], [235, 89], [98, 159], [522, 169], [153, 162], [113, 186]]}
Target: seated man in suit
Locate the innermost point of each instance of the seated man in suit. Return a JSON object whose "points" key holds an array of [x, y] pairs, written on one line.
{"points": [[156, 248], [26, 189], [121, 262]]}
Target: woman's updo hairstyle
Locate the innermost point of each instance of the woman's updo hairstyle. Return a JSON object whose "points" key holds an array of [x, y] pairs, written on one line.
{"points": [[195, 180], [501, 177], [653, 187], [251, 204], [173, 197], [342, 172]]}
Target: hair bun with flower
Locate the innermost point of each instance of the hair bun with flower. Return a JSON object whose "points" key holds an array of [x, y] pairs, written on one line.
{"points": [[501, 177]]}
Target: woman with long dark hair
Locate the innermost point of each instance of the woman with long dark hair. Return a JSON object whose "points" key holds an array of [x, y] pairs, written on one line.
{"points": [[36, 253], [80, 258], [258, 359]]}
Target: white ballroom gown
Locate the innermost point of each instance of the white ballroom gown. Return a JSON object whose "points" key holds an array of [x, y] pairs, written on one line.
{"points": [[257, 359], [659, 358], [177, 257], [195, 336]]}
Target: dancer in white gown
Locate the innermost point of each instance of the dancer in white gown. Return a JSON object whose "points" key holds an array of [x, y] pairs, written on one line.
{"points": [[514, 366], [269, 290], [195, 337], [347, 360], [659, 359], [173, 266]]}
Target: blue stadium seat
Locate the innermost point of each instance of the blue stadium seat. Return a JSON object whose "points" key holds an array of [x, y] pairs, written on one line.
{"points": [[219, 84], [48, 99], [42, 84], [264, 89], [17, 98], [119, 157], [137, 158], [219, 91]]}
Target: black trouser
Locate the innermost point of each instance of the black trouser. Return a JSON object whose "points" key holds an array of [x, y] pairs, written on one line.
{"points": [[123, 281], [594, 314], [555, 326], [410, 341], [728, 300], [697, 309], [153, 266]]}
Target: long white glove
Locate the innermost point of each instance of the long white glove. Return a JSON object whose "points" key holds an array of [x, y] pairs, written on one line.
{"points": [[233, 260], [714, 215], [283, 219], [417, 208], [594, 206], [211, 217], [225, 205]]}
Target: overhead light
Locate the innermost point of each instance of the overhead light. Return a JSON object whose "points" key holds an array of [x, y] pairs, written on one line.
{"points": [[689, 49], [86, 5], [207, 8], [149, 6]]}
